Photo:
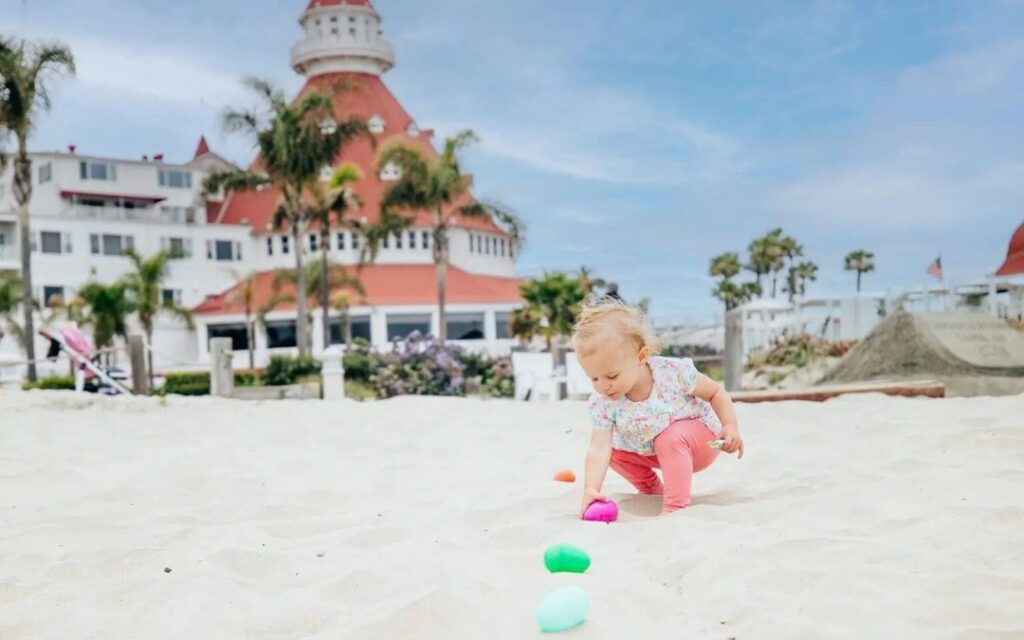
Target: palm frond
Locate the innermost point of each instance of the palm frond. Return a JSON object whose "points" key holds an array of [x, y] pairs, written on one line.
{"points": [[233, 180]]}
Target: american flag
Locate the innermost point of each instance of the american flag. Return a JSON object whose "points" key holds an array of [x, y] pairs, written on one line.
{"points": [[935, 269]]}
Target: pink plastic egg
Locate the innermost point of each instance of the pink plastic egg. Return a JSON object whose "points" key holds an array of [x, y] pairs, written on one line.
{"points": [[602, 511]]}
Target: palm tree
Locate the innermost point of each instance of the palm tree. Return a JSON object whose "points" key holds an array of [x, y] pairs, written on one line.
{"points": [[734, 294], [764, 255], [300, 139], [337, 277], [802, 273], [145, 288], [244, 292], [329, 207], [10, 300], [24, 68], [437, 184], [791, 249], [590, 283], [727, 266], [860, 261], [552, 303], [109, 307]]}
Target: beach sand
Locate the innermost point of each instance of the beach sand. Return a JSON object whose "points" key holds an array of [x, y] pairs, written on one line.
{"points": [[863, 517]]}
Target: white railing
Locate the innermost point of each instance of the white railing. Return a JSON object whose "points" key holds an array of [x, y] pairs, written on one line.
{"points": [[121, 213]]}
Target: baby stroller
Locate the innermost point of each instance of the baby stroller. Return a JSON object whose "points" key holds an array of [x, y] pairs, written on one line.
{"points": [[90, 375]]}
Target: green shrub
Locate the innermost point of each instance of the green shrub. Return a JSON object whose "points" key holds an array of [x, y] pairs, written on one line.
{"points": [[359, 361], [187, 383], [52, 383], [284, 370]]}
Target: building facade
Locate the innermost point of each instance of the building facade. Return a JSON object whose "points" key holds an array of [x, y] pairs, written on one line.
{"points": [[86, 210]]}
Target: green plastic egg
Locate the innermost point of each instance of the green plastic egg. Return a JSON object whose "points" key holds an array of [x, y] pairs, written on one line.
{"points": [[565, 558]]}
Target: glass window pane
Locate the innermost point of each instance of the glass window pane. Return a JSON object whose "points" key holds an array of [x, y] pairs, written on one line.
{"points": [[112, 245], [281, 334], [224, 251], [239, 340], [501, 322], [469, 326], [401, 325], [360, 329], [50, 241], [52, 295]]}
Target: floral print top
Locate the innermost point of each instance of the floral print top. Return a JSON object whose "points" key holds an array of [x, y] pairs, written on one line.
{"points": [[634, 425]]}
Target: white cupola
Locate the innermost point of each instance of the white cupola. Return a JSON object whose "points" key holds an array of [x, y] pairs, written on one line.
{"points": [[342, 36]]}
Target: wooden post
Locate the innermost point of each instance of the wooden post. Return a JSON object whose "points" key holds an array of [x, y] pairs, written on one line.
{"points": [[137, 357], [733, 350], [222, 373]]}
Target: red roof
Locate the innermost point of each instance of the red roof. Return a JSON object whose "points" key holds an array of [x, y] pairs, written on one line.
{"points": [[367, 97], [1014, 263], [202, 149], [313, 4], [387, 284]]}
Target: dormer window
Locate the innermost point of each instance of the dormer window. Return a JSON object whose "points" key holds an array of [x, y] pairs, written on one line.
{"points": [[375, 124], [326, 172], [328, 126], [413, 130], [390, 172]]}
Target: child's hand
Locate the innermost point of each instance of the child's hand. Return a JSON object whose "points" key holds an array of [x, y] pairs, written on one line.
{"points": [[732, 442], [589, 496]]}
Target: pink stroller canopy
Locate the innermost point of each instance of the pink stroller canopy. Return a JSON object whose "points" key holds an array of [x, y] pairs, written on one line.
{"points": [[74, 339]]}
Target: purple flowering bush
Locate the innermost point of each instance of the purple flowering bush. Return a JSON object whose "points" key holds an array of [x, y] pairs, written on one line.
{"points": [[423, 365]]}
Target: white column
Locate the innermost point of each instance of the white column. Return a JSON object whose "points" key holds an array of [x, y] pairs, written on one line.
{"points": [[333, 373], [378, 328], [993, 304]]}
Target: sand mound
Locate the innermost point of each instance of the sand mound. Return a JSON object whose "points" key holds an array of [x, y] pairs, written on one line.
{"points": [[972, 354]]}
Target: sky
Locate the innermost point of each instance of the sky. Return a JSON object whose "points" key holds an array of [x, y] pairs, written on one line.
{"points": [[637, 138]]}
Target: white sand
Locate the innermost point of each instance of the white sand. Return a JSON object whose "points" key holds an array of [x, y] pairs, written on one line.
{"points": [[865, 517]]}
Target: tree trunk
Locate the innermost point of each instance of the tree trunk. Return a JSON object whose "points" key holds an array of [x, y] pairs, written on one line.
{"points": [[858, 281], [22, 195], [149, 353], [346, 321], [775, 282], [301, 321], [441, 264], [325, 286], [250, 339]]}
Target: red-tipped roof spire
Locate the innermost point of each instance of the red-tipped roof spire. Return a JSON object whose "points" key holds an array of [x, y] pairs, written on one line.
{"points": [[202, 149], [1014, 263]]}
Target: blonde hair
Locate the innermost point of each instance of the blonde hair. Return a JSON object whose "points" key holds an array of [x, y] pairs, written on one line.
{"points": [[629, 321]]}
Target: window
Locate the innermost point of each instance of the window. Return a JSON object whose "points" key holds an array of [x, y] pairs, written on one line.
{"points": [[178, 215], [502, 325], [110, 245], [270, 246], [385, 241], [375, 124], [52, 296], [352, 31], [412, 239], [45, 172], [341, 241], [223, 250], [281, 334], [472, 243], [284, 244], [97, 171], [312, 242], [425, 236], [401, 325], [50, 242], [177, 247], [390, 172], [334, 31], [175, 178], [170, 296], [494, 246], [465, 326], [239, 338], [360, 329], [502, 244], [398, 240], [355, 240]]}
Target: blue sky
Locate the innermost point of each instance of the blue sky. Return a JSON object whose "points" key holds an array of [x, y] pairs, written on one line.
{"points": [[638, 138]]}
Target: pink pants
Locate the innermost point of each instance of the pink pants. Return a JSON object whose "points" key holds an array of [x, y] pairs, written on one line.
{"points": [[679, 451]]}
